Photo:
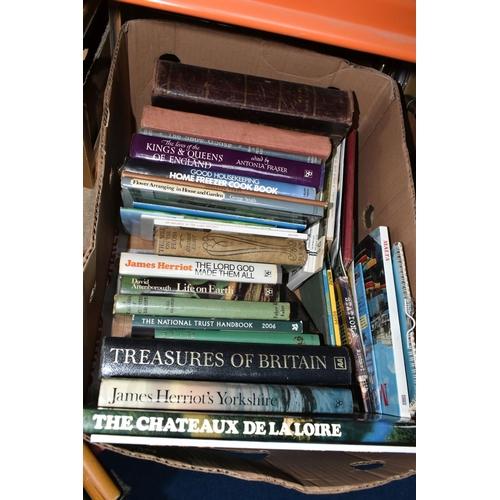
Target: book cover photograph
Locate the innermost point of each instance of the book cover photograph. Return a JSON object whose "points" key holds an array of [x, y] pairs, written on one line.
{"points": [[134, 426], [198, 395]]}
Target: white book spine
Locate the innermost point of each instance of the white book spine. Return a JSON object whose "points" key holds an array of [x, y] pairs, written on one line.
{"points": [[142, 264]]}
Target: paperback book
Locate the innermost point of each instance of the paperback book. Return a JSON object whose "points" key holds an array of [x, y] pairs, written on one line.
{"points": [[154, 394], [359, 433], [225, 361]]}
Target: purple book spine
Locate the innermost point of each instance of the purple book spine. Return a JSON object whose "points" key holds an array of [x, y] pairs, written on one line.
{"points": [[226, 160]]}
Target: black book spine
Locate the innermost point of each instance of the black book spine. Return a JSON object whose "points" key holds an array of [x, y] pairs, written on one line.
{"points": [[242, 362]]}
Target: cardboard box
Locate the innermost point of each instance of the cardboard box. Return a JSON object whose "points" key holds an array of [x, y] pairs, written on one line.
{"points": [[385, 196]]}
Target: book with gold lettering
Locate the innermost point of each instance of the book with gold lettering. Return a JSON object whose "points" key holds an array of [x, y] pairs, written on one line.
{"points": [[225, 361], [261, 431]]}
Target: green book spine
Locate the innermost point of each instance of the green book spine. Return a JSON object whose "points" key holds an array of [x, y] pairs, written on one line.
{"points": [[238, 336], [168, 428], [196, 308], [143, 321]]}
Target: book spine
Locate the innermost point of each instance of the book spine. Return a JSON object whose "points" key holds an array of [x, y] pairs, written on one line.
{"points": [[333, 305], [235, 324], [302, 107], [205, 157], [238, 247], [355, 342], [315, 160], [309, 147], [201, 289], [347, 237], [298, 223], [173, 189], [328, 306], [225, 227], [366, 332], [237, 336], [224, 361], [141, 264], [190, 395], [406, 320], [135, 195], [216, 177], [160, 305], [168, 427]]}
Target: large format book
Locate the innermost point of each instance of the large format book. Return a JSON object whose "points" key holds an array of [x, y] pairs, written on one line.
{"points": [[406, 309], [200, 289], [324, 111], [203, 157], [136, 192], [220, 245], [124, 324], [374, 253], [216, 177], [234, 134], [161, 305], [225, 361], [190, 395], [143, 264], [250, 430]]}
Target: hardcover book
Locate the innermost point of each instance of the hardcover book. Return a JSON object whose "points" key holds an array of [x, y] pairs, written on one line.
{"points": [[142, 264], [234, 134], [154, 394], [237, 247], [257, 337], [247, 430], [224, 361], [202, 157], [216, 177], [124, 324], [160, 305], [200, 289], [324, 111], [374, 253]]}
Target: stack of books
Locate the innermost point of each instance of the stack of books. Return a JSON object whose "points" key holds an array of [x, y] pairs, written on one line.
{"points": [[234, 212]]}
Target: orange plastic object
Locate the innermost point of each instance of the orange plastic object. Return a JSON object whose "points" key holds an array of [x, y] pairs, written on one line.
{"points": [[383, 27]]}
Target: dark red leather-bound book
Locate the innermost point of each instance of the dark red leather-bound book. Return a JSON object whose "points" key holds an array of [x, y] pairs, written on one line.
{"points": [[306, 108]]}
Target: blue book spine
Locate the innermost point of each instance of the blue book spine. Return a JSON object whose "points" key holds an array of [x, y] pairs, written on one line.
{"points": [[165, 192], [214, 178], [299, 226], [227, 160], [366, 332], [238, 147]]}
